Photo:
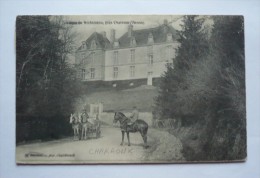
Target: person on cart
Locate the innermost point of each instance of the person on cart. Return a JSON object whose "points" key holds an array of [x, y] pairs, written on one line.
{"points": [[84, 116]]}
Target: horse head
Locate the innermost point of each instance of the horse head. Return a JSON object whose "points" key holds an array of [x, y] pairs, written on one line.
{"points": [[71, 118], [118, 116], [74, 118], [79, 117]]}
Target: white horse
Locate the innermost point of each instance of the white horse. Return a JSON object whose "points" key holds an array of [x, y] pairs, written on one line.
{"points": [[75, 122], [89, 125], [84, 123]]}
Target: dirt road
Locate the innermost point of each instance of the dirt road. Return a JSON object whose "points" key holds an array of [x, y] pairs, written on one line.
{"points": [[105, 149]]}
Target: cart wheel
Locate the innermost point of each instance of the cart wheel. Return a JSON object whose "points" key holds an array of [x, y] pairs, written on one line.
{"points": [[97, 133]]}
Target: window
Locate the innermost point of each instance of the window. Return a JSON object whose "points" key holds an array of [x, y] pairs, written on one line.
{"points": [[115, 57], [132, 55], [82, 55], [83, 58], [150, 38], [132, 71], [133, 42], [150, 50], [169, 37], [83, 74], [92, 73], [150, 62], [93, 44], [116, 44], [115, 73], [83, 44], [92, 58], [169, 53]]}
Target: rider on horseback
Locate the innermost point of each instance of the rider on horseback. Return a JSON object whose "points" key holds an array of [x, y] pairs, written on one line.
{"points": [[134, 116]]}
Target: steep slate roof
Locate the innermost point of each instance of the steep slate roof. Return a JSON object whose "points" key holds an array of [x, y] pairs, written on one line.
{"points": [[141, 36], [101, 42]]}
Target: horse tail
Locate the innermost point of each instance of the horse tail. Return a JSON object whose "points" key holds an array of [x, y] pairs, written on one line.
{"points": [[144, 134], [146, 130]]}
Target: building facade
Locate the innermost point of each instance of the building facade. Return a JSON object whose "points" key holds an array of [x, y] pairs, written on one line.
{"points": [[137, 54]]}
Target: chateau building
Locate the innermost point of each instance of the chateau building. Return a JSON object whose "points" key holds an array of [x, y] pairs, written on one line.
{"points": [[137, 54]]}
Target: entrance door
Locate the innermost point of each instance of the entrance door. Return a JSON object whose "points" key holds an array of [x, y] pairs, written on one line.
{"points": [[150, 78]]}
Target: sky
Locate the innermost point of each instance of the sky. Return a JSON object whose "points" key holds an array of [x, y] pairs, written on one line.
{"points": [[117, 22], [82, 25]]}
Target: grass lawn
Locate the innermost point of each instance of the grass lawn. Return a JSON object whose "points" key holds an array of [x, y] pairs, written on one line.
{"points": [[121, 100]]}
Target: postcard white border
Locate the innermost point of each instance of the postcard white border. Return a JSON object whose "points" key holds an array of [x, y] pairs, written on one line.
{"points": [[10, 9]]}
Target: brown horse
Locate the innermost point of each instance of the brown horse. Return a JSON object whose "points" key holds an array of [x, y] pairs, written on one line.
{"points": [[139, 126]]}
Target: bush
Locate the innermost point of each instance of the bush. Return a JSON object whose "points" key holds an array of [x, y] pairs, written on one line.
{"points": [[30, 128]]}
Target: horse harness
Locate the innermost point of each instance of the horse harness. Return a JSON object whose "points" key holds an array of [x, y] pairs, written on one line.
{"points": [[75, 120], [124, 124]]}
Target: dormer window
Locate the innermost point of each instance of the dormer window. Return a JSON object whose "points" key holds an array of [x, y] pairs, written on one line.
{"points": [[83, 45], [116, 44], [150, 38], [133, 41], [93, 44], [169, 37]]}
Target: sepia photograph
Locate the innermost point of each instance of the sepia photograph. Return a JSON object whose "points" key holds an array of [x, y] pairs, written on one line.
{"points": [[124, 89]]}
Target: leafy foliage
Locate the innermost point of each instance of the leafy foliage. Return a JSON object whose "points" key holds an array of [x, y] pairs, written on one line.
{"points": [[46, 83], [207, 87], [193, 46]]}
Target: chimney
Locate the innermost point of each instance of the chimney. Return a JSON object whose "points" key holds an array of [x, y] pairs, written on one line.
{"points": [[150, 38], [130, 30], [112, 35], [165, 26], [104, 34]]}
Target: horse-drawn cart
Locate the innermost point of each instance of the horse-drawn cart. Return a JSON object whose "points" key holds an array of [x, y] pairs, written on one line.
{"points": [[93, 127], [85, 128]]}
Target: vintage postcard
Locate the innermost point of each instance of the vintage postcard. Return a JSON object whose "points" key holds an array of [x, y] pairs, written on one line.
{"points": [[114, 89]]}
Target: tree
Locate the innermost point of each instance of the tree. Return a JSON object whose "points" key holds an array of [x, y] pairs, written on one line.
{"points": [[208, 88], [230, 117], [46, 82], [217, 85], [193, 46], [193, 43], [42, 46]]}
